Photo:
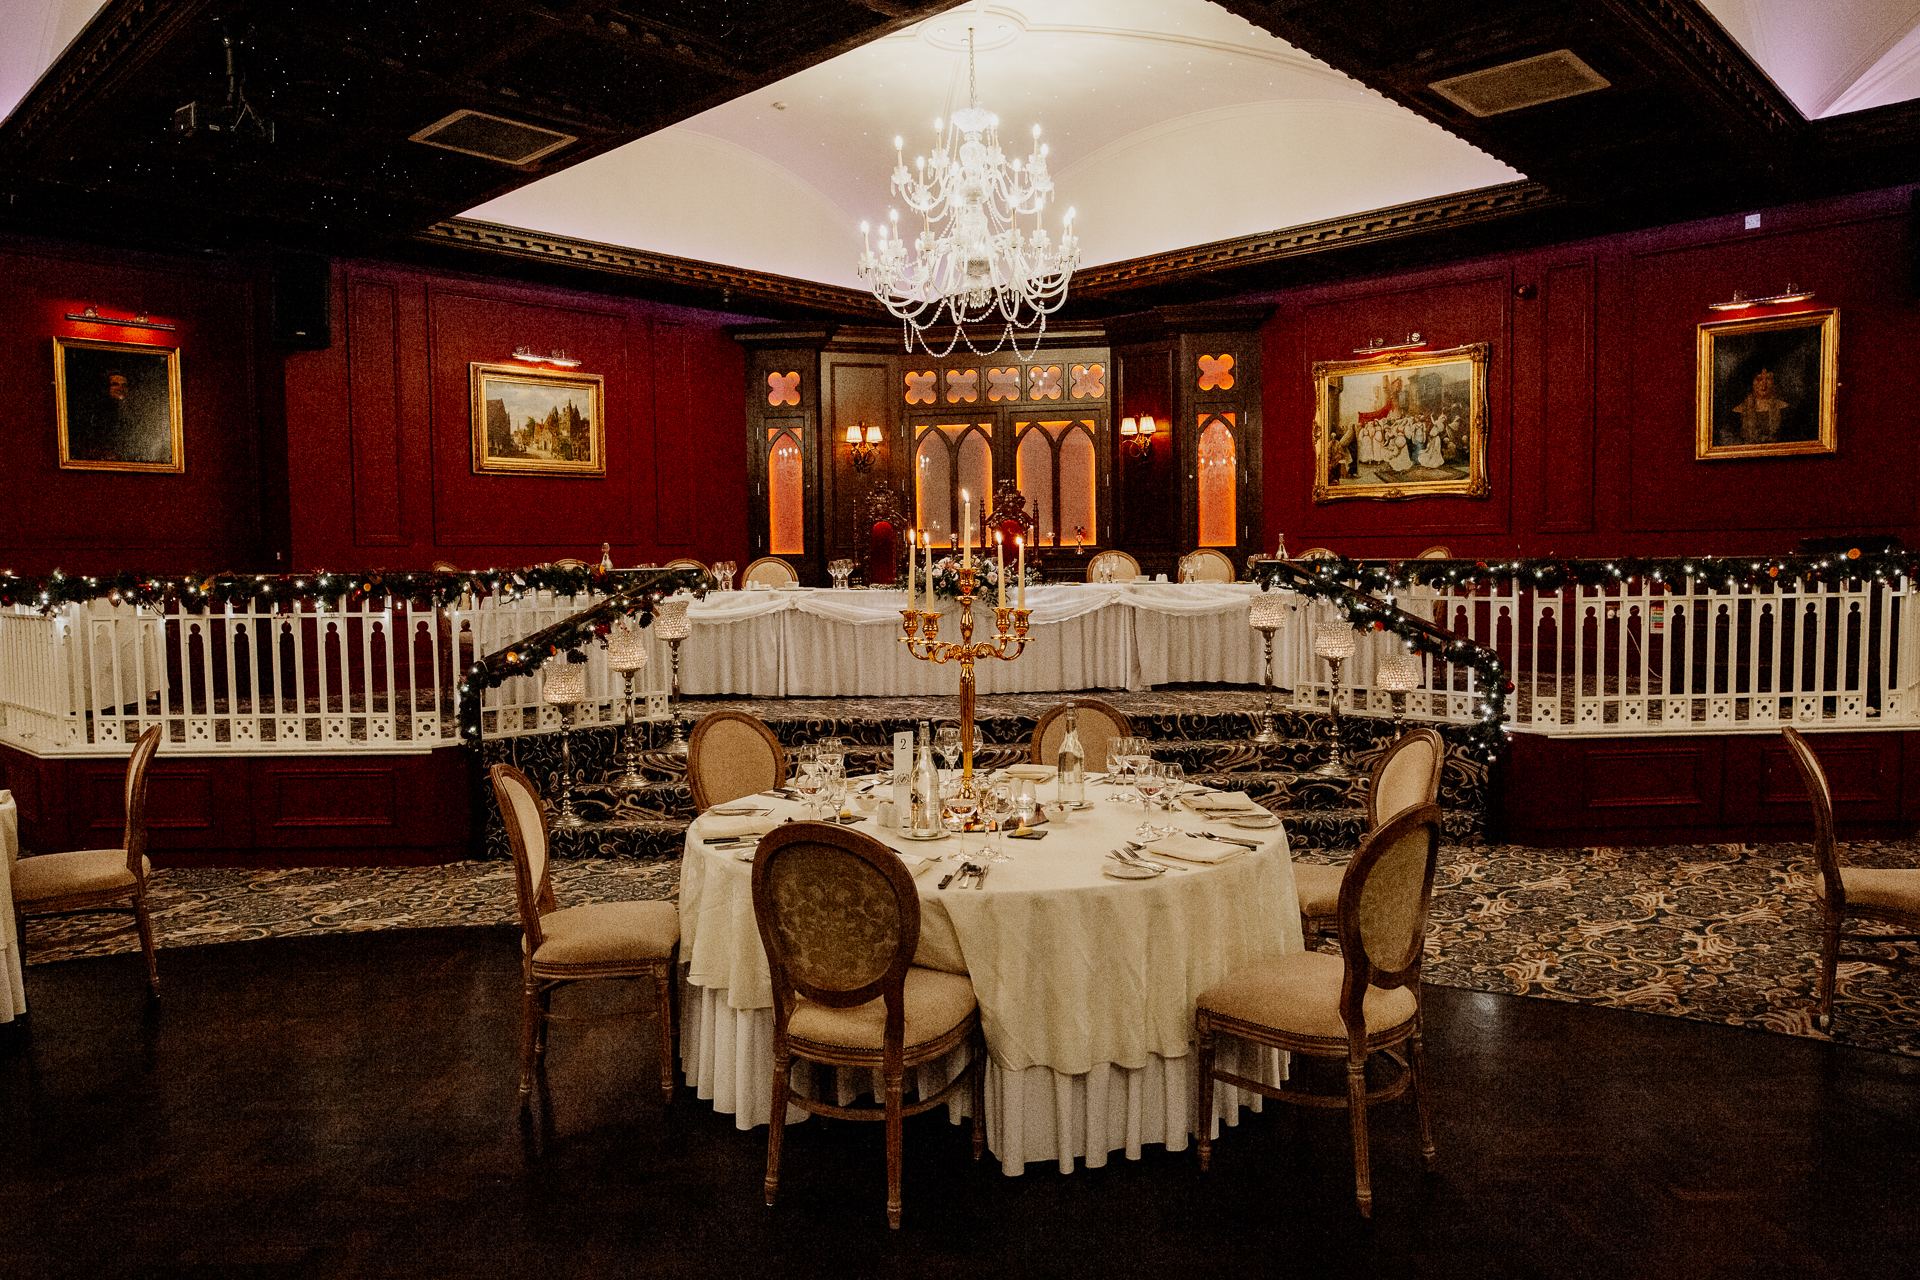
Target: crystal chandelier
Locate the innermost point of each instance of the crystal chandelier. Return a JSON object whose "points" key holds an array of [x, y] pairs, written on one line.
{"points": [[972, 262]]}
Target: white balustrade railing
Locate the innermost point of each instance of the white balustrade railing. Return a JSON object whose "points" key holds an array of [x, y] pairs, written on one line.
{"points": [[1643, 656], [280, 678]]}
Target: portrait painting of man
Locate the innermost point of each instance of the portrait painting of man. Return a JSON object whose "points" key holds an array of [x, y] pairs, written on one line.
{"points": [[1767, 386], [118, 406]]}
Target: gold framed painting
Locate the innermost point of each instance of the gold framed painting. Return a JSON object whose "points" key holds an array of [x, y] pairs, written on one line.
{"points": [[529, 422], [117, 406], [1409, 424], [1766, 387]]}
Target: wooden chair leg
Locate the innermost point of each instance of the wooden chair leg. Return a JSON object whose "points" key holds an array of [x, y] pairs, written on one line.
{"points": [[1357, 1116], [1203, 1062], [1830, 923], [979, 1094], [530, 1031], [895, 1088], [1417, 1064], [777, 1118], [145, 924], [663, 997]]}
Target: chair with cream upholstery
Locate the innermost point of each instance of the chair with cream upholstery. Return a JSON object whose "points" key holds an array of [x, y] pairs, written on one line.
{"points": [[90, 881], [1125, 568], [1435, 553], [839, 917], [1407, 774], [1885, 896], [1099, 726], [684, 563], [1206, 565], [731, 754], [1316, 553], [770, 571], [564, 945], [1365, 1000]]}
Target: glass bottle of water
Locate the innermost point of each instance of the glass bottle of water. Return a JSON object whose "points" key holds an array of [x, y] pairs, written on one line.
{"points": [[1073, 762], [926, 785]]}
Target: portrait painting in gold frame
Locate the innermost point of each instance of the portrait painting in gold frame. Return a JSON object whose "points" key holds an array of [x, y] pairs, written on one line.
{"points": [[1766, 387], [117, 406]]}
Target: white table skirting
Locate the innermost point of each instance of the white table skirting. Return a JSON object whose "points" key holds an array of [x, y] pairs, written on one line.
{"points": [[13, 991], [783, 644], [1035, 1114]]}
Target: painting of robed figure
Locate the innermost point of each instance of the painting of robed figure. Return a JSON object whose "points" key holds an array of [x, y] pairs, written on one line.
{"points": [[532, 422], [1401, 425]]}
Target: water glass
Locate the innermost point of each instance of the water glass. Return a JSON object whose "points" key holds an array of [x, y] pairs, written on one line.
{"points": [[946, 740], [1176, 781], [810, 783], [1149, 780], [996, 802]]}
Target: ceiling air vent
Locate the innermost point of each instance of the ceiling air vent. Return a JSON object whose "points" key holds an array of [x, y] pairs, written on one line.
{"points": [[1526, 83], [475, 133]]}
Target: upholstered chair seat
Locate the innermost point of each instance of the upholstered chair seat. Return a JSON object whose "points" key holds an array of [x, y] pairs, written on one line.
{"points": [[60, 875], [608, 933], [1318, 887], [1888, 889], [1299, 993], [935, 1003]]}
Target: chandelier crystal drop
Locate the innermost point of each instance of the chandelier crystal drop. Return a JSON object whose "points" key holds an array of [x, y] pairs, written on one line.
{"points": [[972, 261]]}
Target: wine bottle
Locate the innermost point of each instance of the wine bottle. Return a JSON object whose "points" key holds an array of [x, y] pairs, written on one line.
{"points": [[1073, 761], [926, 785]]}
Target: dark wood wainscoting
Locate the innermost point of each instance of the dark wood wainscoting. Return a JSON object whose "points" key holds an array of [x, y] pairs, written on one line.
{"points": [[1694, 790], [266, 811]]}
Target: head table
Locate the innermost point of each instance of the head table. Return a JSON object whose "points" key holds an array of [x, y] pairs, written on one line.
{"points": [[837, 643], [1086, 983]]}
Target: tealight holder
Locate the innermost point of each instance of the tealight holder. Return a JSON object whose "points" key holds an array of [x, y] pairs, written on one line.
{"points": [[1334, 641], [564, 684], [1399, 675], [1265, 615], [627, 653], [670, 623]]}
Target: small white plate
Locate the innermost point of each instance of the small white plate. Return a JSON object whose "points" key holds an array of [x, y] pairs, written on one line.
{"points": [[908, 835], [1255, 822], [1124, 871]]}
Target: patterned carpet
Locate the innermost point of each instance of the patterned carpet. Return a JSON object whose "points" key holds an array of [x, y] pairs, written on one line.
{"points": [[1720, 933]]}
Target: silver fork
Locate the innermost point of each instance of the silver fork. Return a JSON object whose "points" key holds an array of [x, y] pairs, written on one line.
{"points": [[1130, 852]]}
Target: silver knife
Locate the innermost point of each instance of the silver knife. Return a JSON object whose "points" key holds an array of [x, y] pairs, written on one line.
{"points": [[980, 876], [1244, 844]]}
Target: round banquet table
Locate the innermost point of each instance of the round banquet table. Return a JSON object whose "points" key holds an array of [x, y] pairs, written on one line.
{"points": [[1086, 983]]}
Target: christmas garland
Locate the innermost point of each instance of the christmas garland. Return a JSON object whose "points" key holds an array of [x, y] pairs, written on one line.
{"points": [[1830, 568]]}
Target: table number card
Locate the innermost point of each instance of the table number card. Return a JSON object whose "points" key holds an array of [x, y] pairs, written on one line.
{"points": [[902, 775]]}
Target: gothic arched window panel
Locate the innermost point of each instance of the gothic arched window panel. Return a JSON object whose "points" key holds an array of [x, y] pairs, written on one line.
{"points": [[933, 485], [1033, 473], [1219, 482], [1079, 477], [974, 472], [786, 493]]}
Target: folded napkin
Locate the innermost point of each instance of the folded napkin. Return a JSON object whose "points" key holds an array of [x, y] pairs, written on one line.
{"points": [[1032, 772], [1193, 849], [714, 825], [915, 863], [1221, 802]]}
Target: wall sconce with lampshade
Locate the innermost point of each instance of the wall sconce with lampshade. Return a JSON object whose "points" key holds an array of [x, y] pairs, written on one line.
{"points": [[863, 441], [1136, 434]]}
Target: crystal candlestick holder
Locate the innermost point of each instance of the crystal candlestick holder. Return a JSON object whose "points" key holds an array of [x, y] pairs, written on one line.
{"points": [[564, 684], [1334, 641], [1399, 675], [627, 653], [670, 623], [1265, 616]]}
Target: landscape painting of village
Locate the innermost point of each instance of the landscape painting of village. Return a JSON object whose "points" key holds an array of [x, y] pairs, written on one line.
{"points": [[529, 422]]}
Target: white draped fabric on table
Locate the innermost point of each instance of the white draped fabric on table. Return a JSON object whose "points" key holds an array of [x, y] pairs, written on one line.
{"points": [[1086, 983], [826, 643], [13, 992]]}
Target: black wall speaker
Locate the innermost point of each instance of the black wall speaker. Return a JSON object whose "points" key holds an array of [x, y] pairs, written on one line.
{"points": [[302, 294]]}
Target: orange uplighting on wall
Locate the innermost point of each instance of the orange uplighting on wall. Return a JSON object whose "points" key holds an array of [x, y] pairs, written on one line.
{"points": [[786, 495]]}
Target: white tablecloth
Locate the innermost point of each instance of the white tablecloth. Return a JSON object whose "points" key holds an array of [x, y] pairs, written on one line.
{"points": [[13, 993], [807, 643], [1086, 983]]}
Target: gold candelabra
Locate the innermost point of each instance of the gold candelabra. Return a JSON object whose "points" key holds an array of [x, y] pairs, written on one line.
{"points": [[923, 642]]}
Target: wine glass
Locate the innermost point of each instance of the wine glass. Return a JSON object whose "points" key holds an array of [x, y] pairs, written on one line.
{"points": [[1149, 780], [1176, 779], [996, 802], [810, 783], [1139, 754], [832, 751], [834, 786], [946, 740], [959, 804]]}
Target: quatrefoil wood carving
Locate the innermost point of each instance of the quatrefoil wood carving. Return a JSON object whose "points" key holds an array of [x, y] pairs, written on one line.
{"points": [[783, 388], [920, 387], [1089, 381], [1216, 373], [1003, 384]]}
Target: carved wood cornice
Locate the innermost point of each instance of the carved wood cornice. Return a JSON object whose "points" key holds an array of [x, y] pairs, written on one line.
{"points": [[1381, 225], [1724, 64], [731, 283]]}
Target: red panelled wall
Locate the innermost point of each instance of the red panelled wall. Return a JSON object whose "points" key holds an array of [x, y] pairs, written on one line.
{"points": [[380, 449], [98, 521], [1592, 392]]}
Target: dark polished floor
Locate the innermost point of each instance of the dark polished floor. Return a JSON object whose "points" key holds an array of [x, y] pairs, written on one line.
{"points": [[344, 1106]]}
